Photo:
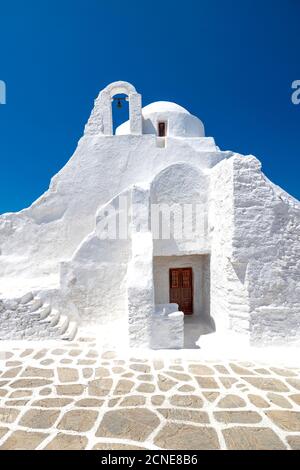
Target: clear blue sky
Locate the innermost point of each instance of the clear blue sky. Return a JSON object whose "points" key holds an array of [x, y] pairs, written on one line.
{"points": [[230, 62]]}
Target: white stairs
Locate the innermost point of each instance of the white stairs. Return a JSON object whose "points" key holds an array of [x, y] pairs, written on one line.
{"points": [[30, 318]]}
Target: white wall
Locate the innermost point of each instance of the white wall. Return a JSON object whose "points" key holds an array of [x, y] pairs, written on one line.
{"points": [[179, 185], [93, 282], [140, 295], [255, 268], [34, 241], [267, 242]]}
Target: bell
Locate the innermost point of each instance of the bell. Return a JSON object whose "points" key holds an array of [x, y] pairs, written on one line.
{"points": [[119, 104]]}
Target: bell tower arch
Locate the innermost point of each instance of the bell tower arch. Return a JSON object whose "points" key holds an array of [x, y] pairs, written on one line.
{"points": [[101, 120]]}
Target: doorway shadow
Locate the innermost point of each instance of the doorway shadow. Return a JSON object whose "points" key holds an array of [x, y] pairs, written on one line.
{"points": [[194, 327]]}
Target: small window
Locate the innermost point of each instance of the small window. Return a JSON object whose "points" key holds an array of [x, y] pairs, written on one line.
{"points": [[162, 129]]}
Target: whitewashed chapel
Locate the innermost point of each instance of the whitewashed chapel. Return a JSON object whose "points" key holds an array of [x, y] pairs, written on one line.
{"points": [[153, 235]]}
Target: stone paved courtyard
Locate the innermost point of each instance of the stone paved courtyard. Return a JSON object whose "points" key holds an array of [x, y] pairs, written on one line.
{"points": [[71, 395]]}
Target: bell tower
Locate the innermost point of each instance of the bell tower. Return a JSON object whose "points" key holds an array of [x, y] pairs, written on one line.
{"points": [[101, 120]]}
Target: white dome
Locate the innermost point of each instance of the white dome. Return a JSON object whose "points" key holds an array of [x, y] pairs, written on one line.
{"points": [[179, 122], [163, 107]]}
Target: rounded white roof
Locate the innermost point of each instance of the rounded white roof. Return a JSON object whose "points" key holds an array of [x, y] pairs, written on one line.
{"points": [[163, 107], [180, 123]]}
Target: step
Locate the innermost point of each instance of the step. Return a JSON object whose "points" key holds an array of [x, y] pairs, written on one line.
{"points": [[25, 299], [35, 305], [70, 334], [62, 326], [53, 319], [44, 312]]}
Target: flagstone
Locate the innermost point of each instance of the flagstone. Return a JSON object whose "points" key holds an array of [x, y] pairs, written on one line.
{"points": [[228, 381], [165, 384], [40, 354], [58, 352], [237, 416], [113, 402], [145, 377], [136, 424], [30, 383], [118, 370], [101, 372], [207, 382], [252, 438], [16, 402], [8, 415], [286, 420], [268, 384], [231, 401], [20, 393], [39, 418], [279, 400], [187, 401], [45, 391], [67, 442], [13, 363], [211, 396], [178, 376], [109, 355], [283, 372], [52, 402], [181, 414], [87, 372], [186, 388], [23, 440], [262, 371], [133, 400], [222, 369], [80, 420], [294, 383], [179, 436], [200, 369], [75, 352], [67, 374], [10, 373], [158, 365], [140, 368], [116, 446], [157, 400], [46, 362], [89, 402], [146, 388], [37, 372], [70, 389], [3, 431], [241, 370], [294, 442], [258, 401], [100, 387], [296, 398], [123, 387]]}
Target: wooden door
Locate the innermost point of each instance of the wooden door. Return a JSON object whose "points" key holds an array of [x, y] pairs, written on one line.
{"points": [[181, 289], [161, 129]]}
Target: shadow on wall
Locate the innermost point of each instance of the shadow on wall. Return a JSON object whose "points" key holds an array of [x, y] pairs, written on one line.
{"points": [[194, 328]]}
